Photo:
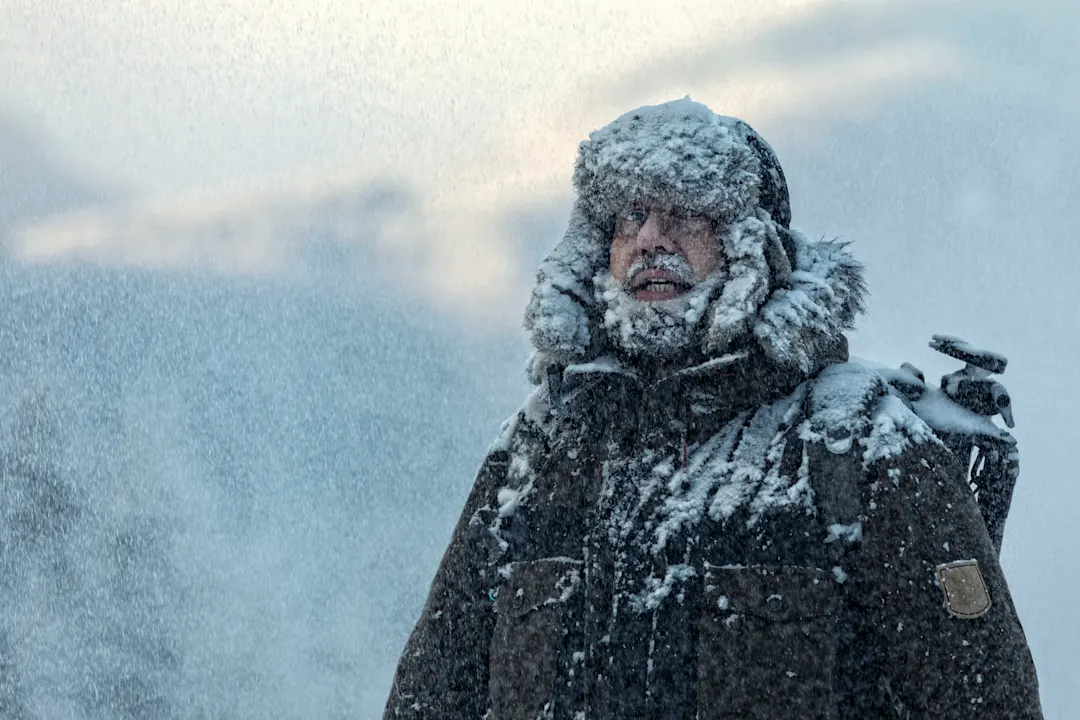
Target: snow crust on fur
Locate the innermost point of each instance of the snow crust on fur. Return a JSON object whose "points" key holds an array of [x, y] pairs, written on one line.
{"points": [[827, 292], [679, 151]]}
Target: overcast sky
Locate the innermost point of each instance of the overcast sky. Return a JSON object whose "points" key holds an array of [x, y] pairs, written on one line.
{"points": [[167, 96], [937, 136]]}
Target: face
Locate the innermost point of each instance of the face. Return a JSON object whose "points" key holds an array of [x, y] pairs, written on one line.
{"points": [[647, 231]]}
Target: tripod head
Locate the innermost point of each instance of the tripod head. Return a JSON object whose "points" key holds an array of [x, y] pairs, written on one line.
{"points": [[972, 387], [961, 413]]}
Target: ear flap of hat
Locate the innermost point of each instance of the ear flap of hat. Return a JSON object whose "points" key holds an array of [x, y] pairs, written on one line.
{"points": [[559, 314], [827, 290], [747, 286]]}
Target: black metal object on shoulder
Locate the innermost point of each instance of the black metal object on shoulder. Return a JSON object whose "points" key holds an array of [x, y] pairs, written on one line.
{"points": [[961, 414]]}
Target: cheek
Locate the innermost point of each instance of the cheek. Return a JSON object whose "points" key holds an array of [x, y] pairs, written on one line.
{"points": [[704, 255], [619, 260]]}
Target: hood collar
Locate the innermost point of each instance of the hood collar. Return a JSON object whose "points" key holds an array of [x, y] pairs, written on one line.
{"points": [[699, 398]]}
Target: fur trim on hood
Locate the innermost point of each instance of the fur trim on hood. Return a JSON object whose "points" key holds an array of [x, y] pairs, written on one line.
{"points": [[791, 296]]}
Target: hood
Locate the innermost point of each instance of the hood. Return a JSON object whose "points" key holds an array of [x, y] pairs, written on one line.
{"points": [[787, 295]]}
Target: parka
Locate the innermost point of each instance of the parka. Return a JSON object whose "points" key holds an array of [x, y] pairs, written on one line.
{"points": [[766, 531], [621, 577]]}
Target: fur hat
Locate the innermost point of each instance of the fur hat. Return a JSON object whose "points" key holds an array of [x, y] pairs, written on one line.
{"points": [[791, 296]]}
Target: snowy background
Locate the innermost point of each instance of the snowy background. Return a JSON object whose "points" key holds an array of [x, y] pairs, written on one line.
{"points": [[263, 265]]}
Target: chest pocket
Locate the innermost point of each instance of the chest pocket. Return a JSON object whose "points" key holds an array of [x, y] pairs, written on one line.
{"points": [[535, 610], [767, 643]]}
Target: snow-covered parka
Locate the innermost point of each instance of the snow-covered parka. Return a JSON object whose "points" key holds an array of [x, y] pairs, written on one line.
{"points": [[766, 532]]}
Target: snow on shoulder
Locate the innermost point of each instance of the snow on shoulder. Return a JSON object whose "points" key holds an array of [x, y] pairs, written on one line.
{"points": [[852, 404]]}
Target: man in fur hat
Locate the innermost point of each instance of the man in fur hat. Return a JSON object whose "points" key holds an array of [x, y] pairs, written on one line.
{"points": [[702, 511]]}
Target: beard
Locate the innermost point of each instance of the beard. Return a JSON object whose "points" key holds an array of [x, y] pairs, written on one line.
{"points": [[662, 330]]}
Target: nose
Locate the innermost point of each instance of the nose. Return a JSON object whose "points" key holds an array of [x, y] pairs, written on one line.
{"points": [[655, 235]]}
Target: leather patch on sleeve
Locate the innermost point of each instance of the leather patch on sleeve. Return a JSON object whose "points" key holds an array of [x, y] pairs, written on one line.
{"points": [[965, 591]]}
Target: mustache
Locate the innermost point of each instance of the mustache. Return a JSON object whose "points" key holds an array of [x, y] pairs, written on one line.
{"points": [[674, 264]]}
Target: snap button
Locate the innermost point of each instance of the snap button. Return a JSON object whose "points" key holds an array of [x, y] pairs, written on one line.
{"points": [[774, 602]]}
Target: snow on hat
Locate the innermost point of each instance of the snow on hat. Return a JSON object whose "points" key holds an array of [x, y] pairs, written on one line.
{"points": [[683, 152], [791, 295]]}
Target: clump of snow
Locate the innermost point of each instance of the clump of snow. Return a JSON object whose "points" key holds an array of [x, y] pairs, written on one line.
{"points": [[895, 428], [657, 590], [840, 403], [944, 415], [520, 475], [603, 365], [943, 343], [557, 316], [852, 402], [762, 440], [848, 533], [508, 499], [839, 447], [739, 466], [536, 410], [567, 585]]}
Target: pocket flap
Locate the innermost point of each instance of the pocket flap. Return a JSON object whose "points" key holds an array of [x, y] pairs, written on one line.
{"points": [[538, 583], [771, 592]]}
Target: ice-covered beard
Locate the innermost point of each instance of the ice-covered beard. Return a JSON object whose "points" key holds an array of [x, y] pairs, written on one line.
{"points": [[662, 329]]}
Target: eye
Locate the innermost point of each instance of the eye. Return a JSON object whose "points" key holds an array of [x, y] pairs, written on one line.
{"points": [[687, 214], [635, 215]]}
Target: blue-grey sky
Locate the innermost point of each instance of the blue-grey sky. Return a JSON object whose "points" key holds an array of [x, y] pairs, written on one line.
{"points": [[321, 144]]}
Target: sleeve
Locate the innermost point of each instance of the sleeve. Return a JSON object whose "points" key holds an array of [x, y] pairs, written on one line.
{"points": [[937, 622], [443, 671]]}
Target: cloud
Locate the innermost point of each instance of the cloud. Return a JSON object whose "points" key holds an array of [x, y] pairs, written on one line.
{"points": [[34, 183], [203, 94], [342, 236]]}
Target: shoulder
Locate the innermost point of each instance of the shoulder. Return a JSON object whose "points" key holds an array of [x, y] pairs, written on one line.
{"points": [[515, 457], [853, 407], [529, 423]]}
